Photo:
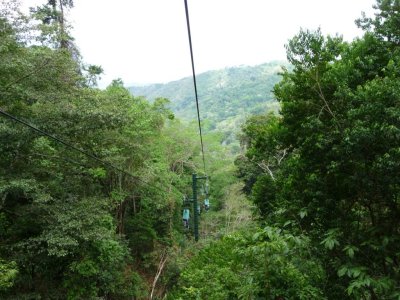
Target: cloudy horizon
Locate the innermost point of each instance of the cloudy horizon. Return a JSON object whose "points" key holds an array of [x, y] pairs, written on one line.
{"points": [[146, 42]]}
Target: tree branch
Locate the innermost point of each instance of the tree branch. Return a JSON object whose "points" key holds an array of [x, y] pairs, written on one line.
{"points": [[161, 265]]}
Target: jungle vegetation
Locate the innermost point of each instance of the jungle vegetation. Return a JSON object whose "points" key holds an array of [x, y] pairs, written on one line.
{"points": [[309, 208], [324, 176], [228, 96]]}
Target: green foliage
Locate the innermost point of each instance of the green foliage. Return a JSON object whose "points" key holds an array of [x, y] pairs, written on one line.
{"points": [[222, 92], [329, 165], [385, 25], [71, 227], [8, 273], [325, 172], [266, 264], [226, 97]]}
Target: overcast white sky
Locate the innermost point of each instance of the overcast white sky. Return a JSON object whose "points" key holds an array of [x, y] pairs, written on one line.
{"points": [[145, 41]]}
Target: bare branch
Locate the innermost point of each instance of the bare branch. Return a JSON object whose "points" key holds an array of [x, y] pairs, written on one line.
{"points": [[160, 268], [266, 167], [279, 159]]}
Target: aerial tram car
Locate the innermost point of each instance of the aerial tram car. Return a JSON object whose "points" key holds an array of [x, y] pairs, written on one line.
{"points": [[193, 204]]}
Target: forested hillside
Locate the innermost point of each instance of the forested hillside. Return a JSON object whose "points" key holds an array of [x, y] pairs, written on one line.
{"points": [[94, 183], [91, 181], [227, 96], [324, 175], [223, 93]]}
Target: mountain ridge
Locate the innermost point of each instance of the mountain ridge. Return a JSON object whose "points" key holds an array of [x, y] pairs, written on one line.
{"points": [[226, 96]]}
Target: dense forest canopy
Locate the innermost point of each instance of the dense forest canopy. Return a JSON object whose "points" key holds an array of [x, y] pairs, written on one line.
{"points": [[328, 166], [73, 226], [309, 209], [224, 93]]}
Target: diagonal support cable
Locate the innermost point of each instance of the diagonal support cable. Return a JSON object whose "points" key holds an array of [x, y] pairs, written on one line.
{"points": [[86, 153]]}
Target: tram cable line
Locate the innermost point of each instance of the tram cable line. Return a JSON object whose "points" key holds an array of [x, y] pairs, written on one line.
{"points": [[195, 178], [92, 156], [194, 82]]}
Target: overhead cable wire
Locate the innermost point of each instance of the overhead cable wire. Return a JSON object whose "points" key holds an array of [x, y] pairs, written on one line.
{"points": [[194, 83], [94, 157]]}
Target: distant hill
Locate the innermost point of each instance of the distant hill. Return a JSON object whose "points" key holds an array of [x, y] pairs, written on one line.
{"points": [[226, 96]]}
